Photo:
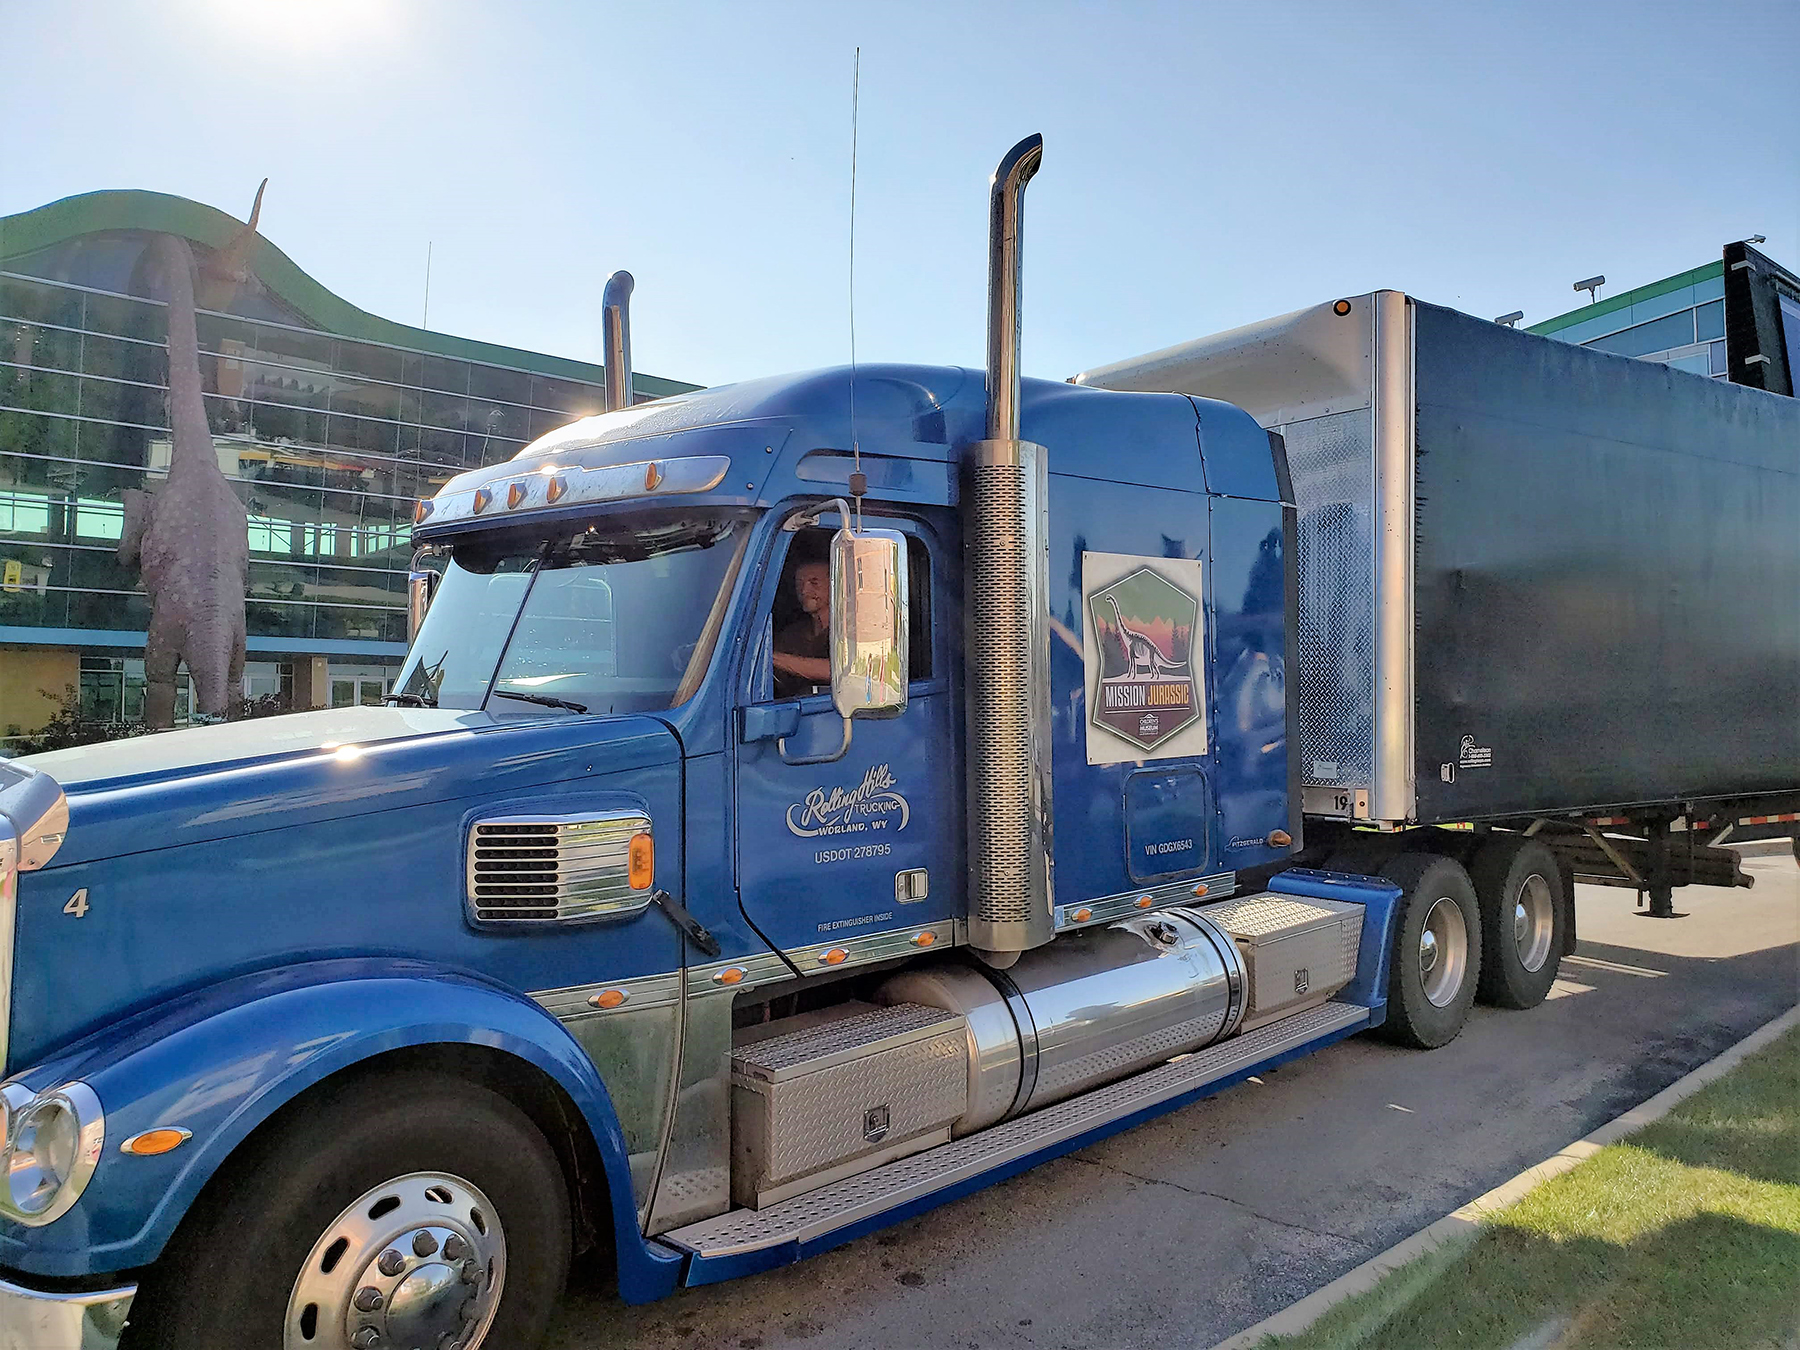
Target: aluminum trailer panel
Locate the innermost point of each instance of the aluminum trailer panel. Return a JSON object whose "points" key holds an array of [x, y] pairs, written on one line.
{"points": [[1535, 579]]}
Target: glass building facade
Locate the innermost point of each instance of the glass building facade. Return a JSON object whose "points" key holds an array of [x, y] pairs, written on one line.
{"points": [[1679, 321], [328, 421]]}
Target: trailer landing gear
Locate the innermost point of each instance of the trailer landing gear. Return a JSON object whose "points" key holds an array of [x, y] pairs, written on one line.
{"points": [[1657, 883]]}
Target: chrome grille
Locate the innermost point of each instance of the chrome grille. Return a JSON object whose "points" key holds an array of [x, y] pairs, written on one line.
{"points": [[548, 869]]}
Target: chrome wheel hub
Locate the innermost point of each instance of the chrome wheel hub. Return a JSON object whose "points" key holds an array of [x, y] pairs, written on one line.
{"points": [[417, 1263], [1443, 952], [1534, 923]]}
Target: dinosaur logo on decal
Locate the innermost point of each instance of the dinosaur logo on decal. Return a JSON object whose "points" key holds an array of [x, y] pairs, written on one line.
{"points": [[872, 804], [1144, 627]]}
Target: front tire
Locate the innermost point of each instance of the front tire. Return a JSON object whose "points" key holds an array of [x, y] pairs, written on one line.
{"points": [[412, 1209], [1436, 961], [1523, 920]]}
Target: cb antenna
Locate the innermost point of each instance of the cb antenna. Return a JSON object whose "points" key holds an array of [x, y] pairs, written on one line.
{"points": [[859, 484]]}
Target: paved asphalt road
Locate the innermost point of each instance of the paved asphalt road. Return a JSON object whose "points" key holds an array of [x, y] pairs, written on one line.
{"points": [[1190, 1227]]}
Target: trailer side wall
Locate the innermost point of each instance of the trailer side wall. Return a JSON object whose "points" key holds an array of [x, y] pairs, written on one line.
{"points": [[1608, 579]]}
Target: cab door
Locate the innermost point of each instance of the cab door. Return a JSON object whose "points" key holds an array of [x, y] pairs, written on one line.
{"points": [[831, 848]]}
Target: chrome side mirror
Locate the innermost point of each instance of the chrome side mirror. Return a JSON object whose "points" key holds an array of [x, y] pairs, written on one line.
{"points": [[421, 585], [869, 623]]}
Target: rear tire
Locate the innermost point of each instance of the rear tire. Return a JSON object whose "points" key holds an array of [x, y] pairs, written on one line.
{"points": [[1524, 912], [437, 1195], [1436, 961]]}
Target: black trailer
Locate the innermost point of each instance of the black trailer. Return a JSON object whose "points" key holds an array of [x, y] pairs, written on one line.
{"points": [[1543, 588]]}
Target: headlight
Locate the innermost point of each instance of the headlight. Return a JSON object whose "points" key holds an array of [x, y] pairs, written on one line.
{"points": [[53, 1143]]}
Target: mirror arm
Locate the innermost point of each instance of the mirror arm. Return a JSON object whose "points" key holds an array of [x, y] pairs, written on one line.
{"points": [[807, 519], [839, 753]]}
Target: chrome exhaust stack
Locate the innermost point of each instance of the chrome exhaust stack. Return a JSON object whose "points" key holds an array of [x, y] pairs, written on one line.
{"points": [[615, 329], [1006, 607]]}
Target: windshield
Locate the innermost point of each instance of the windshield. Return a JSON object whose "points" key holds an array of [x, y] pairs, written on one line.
{"points": [[620, 620]]}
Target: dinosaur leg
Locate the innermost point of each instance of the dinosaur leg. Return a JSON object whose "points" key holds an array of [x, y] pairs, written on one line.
{"points": [[162, 654], [234, 670], [216, 662]]}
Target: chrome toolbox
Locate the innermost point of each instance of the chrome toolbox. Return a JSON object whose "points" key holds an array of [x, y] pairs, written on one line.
{"points": [[822, 1096], [1297, 951]]}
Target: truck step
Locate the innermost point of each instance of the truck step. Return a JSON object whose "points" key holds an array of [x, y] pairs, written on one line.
{"points": [[816, 1215]]}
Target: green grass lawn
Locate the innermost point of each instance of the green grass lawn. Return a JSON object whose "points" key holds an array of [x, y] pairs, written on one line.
{"points": [[1685, 1235]]}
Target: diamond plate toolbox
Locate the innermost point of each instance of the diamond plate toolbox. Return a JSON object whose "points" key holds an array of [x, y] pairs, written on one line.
{"points": [[1297, 952], [823, 1096]]}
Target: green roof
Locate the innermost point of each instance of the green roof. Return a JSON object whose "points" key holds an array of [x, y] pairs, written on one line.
{"points": [[93, 212], [1612, 303]]}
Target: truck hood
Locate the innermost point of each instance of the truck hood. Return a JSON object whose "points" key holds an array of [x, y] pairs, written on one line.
{"points": [[173, 753]]}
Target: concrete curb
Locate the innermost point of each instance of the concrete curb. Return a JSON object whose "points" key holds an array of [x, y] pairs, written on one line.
{"points": [[1461, 1226]]}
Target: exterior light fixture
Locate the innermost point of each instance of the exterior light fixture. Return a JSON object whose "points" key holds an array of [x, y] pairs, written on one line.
{"points": [[1592, 286]]}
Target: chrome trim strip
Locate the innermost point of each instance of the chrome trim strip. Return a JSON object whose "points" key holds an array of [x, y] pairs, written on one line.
{"points": [[768, 968], [1109, 908], [641, 993], [1392, 799], [91, 1321], [608, 483], [830, 1209]]}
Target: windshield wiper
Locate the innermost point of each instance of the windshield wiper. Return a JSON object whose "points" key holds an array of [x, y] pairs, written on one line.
{"points": [[410, 700], [543, 700]]}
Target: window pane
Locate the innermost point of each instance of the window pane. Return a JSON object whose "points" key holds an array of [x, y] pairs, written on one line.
{"points": [[1709, 319], [1672, 330], [27, 344], [1718, 358], [21, 299], [126, 318]]}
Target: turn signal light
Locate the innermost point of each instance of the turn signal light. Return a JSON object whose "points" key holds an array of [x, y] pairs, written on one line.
{"points": [[152, 1143], [641, 861], [554, 490], [607, 998], [515, 494]]}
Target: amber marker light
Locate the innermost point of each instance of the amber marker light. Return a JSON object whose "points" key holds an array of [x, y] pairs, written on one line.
{"points": [[1341, 308], [1201, 889], [153, 1143], [607, 998], [1143, 902], [515, 494], [1280, 838], [640, 857], [1082, 915], [924, 939], [421, 511], [730, 975], [484, 498], [653, 476], [554, 490]]}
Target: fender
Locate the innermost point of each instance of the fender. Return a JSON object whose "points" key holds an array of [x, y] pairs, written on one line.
{"points": [[222, 1060]]}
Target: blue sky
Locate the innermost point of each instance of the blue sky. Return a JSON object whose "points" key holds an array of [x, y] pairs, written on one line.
{"points": [[1206, 164]]}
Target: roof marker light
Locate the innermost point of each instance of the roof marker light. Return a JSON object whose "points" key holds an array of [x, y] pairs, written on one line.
{"points": [[484, 498], [554, 490], [421, 511], [515, 494], [1341, 308], [653, 476]]}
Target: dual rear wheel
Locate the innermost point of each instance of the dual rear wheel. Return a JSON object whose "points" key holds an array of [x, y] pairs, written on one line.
{"points": [[1496, 930]]}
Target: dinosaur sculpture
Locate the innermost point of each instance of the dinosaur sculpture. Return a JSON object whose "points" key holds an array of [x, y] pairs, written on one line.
{"points": [[190, 537], [1143, 658]]}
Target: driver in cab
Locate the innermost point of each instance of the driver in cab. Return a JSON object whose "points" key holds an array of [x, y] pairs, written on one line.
{"points": [[802, 655]]}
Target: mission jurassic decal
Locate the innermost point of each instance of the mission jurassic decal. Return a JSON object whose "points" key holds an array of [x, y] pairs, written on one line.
{"points": [[1146, 690]]}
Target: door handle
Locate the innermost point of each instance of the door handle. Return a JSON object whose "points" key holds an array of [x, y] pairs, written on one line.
{"points": [[767, 721]]}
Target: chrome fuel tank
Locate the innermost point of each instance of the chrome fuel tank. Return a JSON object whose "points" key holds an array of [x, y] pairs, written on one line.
{"points": [[1087, 1009]]}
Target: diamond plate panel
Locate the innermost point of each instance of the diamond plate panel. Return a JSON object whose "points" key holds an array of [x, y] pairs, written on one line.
{"points": [[1281, 936], [1331, 460], [842, 1203]]}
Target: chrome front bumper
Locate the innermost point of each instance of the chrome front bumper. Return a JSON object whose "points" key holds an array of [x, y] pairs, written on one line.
{"points": [[30, 1320]]}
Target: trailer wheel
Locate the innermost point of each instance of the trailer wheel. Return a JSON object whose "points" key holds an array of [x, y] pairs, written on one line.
{"points": [[1524, 912], [1437, 951], [410, 1210]]}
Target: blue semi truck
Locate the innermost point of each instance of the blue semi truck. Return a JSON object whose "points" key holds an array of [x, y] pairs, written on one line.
{"points": [[671, 914]]}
